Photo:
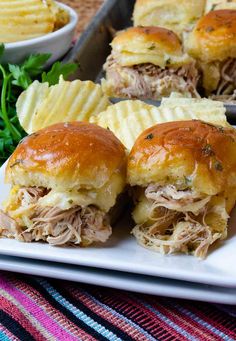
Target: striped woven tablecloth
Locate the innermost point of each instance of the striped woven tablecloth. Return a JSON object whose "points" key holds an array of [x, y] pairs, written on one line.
{"points": [[34, 308]]}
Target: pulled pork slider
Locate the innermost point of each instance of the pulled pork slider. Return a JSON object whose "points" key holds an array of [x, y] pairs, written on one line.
{"points": [[213, 44], [148, 62], [174, 15], [65, 179], [183, 177]]}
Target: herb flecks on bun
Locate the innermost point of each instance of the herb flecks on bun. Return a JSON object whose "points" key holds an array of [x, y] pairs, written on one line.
{"points": [[183, 178], [213, 44], [65, 179], [149, 62], [174, 15]]}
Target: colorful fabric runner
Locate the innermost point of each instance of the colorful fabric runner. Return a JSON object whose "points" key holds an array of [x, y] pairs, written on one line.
{"points": [[41, 309], [33, 308]]}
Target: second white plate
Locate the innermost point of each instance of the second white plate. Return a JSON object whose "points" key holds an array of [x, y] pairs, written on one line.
{"points": [[122, 253], [120, 280]]}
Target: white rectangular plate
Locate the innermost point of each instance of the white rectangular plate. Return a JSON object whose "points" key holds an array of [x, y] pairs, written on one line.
{"points": [[120, 280], [122, 253]]}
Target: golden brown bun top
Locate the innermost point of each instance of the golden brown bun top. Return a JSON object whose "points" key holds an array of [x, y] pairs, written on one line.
{"points": [[214, 37], [155, 45], [67, 156], [164, 38], [185, 153], [174, 15]]}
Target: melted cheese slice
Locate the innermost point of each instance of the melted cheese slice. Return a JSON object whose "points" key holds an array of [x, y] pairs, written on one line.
{"points": [[162, 60], [104, 198]]}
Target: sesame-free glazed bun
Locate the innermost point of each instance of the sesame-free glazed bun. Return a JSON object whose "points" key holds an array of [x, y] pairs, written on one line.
{"points": [[174, 15], [68, 156], [214, 37], [193, 151], [156, 45]]}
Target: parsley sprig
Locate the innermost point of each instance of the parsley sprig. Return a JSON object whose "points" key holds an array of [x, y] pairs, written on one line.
{"points": [[13, 80]]}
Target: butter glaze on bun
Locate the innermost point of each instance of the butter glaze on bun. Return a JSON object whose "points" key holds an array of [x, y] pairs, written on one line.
{"points": [[170, 153], [144, 37], [68, 156], [155, 45], [183, 177], [214, 37]]}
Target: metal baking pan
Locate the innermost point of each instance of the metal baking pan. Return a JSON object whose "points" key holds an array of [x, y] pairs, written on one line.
{"points": [[93, 47]]}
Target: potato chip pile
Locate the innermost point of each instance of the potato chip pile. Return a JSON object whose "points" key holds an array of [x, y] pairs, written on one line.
{"points": [[42, 105], [128, 119], [26, 19]]}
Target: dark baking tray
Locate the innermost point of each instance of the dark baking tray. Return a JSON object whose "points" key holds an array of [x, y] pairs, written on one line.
{"points": [[93, 47]]}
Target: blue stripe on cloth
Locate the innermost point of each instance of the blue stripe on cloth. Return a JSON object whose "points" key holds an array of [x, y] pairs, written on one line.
{"points": [[78, 313], [3, 336], [168, 321], [202, 322], [122, 317]]}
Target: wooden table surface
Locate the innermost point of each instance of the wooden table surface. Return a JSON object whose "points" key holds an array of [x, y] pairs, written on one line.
{"points": [[86, 10]]}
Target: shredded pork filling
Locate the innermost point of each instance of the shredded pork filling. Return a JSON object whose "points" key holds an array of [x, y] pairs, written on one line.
{"points": [[57, 227], [226, 89], [177, 222], [151, 81]]}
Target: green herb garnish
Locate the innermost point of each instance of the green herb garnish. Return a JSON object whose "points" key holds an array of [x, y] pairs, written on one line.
{"points": [[209, 29], [58, 69], [152, 47], [187, 180], [213, 7], [207, 150], [218, 166], [149, 137], [13, 80]]}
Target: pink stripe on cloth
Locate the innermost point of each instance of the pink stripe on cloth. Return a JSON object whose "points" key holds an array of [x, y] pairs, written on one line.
{"points": [[138, 313], [205, 315], [11, 309], [55, 314], [106, 314], [189, 325], [37, 312]]}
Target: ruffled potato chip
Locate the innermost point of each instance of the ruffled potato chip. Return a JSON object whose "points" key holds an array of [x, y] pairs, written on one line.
{"points": [[25, 19], [40, 105], [204, 109], [128, 119], [118, 118]]}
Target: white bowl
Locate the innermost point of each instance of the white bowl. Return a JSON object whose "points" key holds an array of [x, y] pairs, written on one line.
{"points": [[57, 43]]}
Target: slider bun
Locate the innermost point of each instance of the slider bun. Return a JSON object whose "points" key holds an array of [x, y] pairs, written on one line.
{"points": [[186, 154], [68, 156], [214, 37], [155, 45], [212, 5], [174, 15]]}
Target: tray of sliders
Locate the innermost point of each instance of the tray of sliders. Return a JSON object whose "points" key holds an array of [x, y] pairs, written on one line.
{"points": [[149, 49], [116, 184]]}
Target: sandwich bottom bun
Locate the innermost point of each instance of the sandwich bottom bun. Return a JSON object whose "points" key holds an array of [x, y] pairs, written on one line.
{"points": [[184, 183], [65, 180]]}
